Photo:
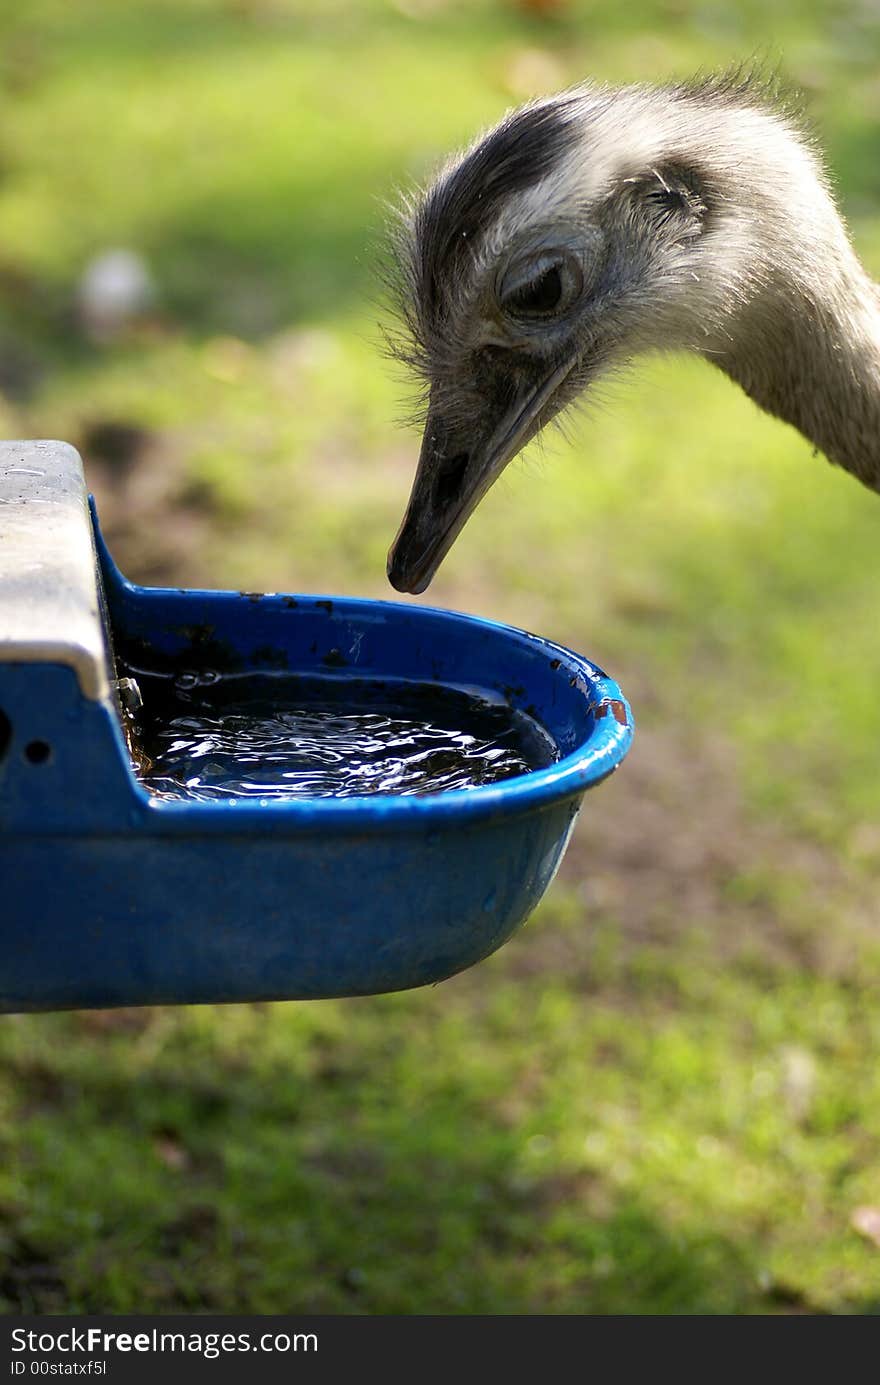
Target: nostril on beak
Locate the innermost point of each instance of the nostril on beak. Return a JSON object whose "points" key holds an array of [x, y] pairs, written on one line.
{"points": [[449, 477]]}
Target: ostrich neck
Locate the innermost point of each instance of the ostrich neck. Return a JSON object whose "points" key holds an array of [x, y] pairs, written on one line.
{"points": [[810, 354]]}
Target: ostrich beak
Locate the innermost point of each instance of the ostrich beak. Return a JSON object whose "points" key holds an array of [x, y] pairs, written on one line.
{"points": [[454, 473]]}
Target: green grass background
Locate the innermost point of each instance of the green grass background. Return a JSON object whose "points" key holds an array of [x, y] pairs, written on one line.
{"points": [[663, 1095]]}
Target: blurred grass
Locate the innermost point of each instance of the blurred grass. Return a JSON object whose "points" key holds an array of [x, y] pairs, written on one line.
{"points": [[661, 1097]]}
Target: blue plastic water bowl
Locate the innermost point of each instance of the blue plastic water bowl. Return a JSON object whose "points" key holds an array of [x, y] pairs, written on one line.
{"points": [[115, 897]]}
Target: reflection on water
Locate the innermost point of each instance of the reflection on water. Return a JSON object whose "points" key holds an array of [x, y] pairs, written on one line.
{"points": [[207, 736]]}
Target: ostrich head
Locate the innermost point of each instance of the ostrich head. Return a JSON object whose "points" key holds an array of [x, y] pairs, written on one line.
{"points": [[600, 223]]}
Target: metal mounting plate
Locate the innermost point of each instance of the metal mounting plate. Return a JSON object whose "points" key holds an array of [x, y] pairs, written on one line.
{"points": [[50, 609]]}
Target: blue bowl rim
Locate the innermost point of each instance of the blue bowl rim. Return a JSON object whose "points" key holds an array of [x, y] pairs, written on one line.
{"points": [[569, 777]]}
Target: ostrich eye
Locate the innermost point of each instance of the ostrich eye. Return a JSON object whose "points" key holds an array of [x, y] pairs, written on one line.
{"points": [[541, 296], [540, 287]]}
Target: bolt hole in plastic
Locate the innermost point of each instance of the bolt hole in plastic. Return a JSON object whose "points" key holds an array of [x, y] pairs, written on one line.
{"points": [[5, 733], [38, 752]]}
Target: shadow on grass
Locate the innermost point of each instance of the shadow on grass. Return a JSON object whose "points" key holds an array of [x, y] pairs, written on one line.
{"points": [[330, 1192], [302, 250]]}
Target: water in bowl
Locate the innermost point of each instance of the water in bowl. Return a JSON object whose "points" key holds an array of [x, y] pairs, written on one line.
{"points": [[204, 735]]}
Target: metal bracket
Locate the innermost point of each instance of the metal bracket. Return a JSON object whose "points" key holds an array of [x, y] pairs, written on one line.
{"points": [[50, 608]]}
